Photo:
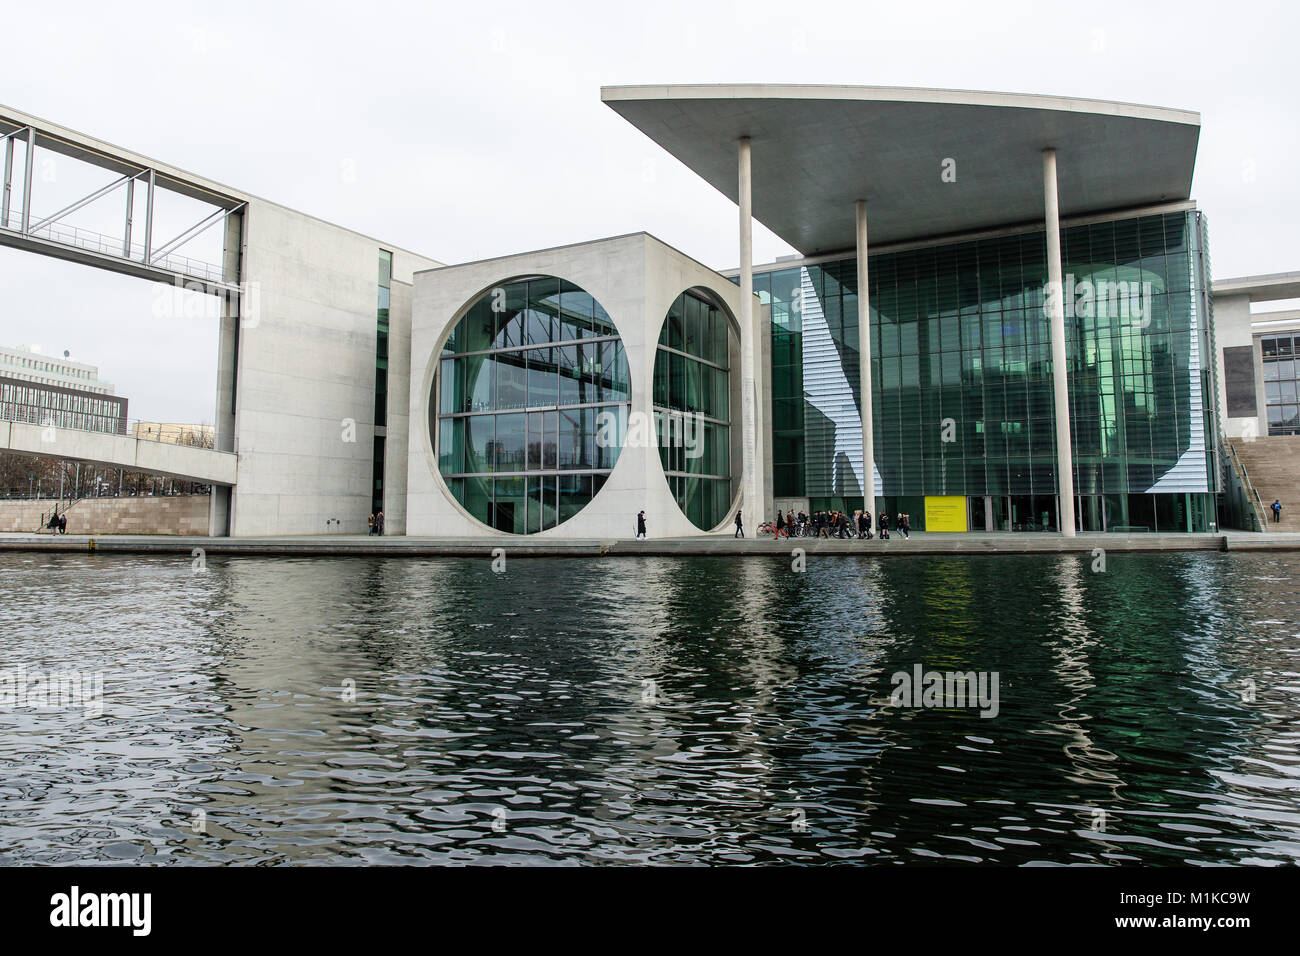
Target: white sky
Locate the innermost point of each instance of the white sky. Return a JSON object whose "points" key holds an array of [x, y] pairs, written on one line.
{"points": [[469, 130]]}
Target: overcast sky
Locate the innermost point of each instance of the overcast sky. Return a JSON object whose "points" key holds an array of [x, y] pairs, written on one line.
{"points": [[467, 130]]}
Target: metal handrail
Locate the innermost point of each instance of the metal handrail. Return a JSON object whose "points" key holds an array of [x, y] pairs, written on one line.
{"points": [[1245, 478], [113, 246]]}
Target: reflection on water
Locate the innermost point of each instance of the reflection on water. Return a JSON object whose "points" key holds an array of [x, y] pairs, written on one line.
{"points": [[653, 711]]}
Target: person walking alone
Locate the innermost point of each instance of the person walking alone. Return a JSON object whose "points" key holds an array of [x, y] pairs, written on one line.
{"points": [[1277, 511], [640, 524], [905, 525], [740, 527]]}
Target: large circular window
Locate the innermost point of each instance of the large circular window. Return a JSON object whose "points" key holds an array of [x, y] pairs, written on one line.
{"points": [[530, 404], [692, 404]]}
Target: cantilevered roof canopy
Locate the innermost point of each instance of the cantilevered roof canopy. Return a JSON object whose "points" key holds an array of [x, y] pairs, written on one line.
{"points": [[817, 149]]}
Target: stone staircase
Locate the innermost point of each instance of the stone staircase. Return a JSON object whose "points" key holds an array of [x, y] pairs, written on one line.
{"points": [[1273, 465], [64, 505]]}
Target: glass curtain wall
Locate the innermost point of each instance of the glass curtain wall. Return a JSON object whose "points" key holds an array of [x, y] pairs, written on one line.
{"points": [[1281, 361], [962, 375], [381, 380]]}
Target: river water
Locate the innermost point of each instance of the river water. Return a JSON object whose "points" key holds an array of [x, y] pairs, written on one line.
{"points": [[651, 711]]}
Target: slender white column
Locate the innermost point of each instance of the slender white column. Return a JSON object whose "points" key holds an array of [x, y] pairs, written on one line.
{"points": [[864, 364], [28, 167], [1056, 314], [754, 507]]}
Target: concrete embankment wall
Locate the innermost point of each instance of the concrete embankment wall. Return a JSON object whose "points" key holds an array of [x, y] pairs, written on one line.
{"points": [[1089, 546], [182, 514]]}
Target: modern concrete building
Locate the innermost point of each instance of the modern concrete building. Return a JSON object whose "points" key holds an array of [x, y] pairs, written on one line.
{"points": [[1033, 262], [1000, 317], [564, 391]]}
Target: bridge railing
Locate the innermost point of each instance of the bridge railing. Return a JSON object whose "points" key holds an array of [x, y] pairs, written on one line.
{"points": [[171, 433], [195, 436], [114, 246]]}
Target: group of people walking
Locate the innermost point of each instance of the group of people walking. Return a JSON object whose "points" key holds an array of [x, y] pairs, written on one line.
{"points": [[831, 524], [376, 523]]}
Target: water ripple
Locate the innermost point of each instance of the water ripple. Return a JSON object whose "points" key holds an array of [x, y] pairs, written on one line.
{"points": [[653, 711]]}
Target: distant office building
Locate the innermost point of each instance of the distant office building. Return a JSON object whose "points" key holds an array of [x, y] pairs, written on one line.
{"points": [[42, 389]]}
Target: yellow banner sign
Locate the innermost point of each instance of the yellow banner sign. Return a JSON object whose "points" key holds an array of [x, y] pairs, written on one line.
{"points": [[945, 513]]}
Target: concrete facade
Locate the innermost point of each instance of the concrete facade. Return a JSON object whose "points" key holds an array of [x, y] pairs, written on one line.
{"points": [[304, 415], [635, 278]]}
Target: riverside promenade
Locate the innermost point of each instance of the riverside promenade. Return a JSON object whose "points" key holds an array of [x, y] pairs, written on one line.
{"points": [[710, 545]]}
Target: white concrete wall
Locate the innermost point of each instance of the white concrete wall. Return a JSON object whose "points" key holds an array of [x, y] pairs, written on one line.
{"points": [[306, 365], [1232, 329], [635, 278]]}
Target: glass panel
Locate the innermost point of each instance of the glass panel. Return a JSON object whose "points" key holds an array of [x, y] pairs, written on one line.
{"points": [[479, 371], [676, 381], [621, 390], [480, 434], [543, 382], [451, 393], [510, 443], [511, 381], [570, 373], [478, 498], [535, 437], [451, 445], [661, 379], [509, 505], [477, 328], [673, 323], [550, 449], [576, 310], [570, 441]]}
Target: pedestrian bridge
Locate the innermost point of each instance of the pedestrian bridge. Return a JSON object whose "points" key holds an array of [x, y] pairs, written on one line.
{"points": [[187, 462]]}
